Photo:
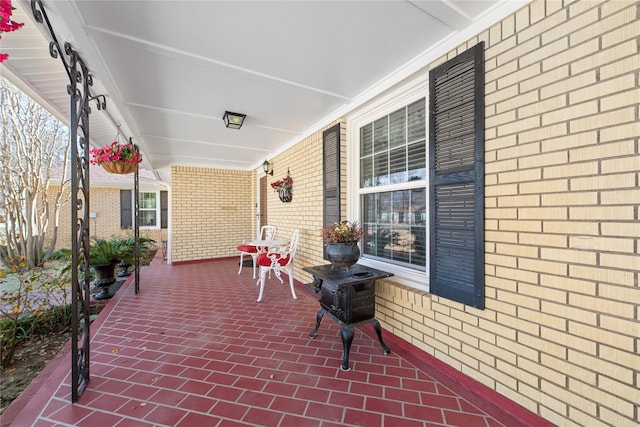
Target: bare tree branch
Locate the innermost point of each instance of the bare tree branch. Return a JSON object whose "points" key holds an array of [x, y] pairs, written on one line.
{"points": [[32, 145]]}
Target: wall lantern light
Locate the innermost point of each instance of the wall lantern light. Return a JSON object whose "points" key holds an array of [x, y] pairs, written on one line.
{"points": [[233, 120], [266, 166]]}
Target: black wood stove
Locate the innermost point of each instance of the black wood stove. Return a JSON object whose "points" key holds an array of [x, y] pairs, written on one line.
{"points": [[348, 297]]}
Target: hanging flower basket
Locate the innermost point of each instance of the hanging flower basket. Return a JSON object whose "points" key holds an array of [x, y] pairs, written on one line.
{"points": [[117, 158], [284, 188], [119, 167]]}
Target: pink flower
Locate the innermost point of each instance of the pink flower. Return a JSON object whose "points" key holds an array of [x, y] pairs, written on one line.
{"points": [[115, 152], [6, 24]]}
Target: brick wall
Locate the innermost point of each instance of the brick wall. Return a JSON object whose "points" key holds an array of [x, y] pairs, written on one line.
{"points": [[561, 330], [105, 202], [212, 212], [212, 209], [304, 162]]}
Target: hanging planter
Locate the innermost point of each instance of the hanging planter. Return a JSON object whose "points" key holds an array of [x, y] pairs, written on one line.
{"points": [[117, 158], [284, 188], [285, 195], [119, 167]]}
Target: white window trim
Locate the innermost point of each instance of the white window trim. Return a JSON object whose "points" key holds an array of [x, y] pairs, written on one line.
{"points": [[399, 97], [158, 207]]}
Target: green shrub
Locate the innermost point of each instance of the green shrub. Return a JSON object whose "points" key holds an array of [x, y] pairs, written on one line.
{"points": [[61, 255], [37, 304], [117, 249], [53, 319]]}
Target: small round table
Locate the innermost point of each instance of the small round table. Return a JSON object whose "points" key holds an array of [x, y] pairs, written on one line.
{"points": [[263, 245]]}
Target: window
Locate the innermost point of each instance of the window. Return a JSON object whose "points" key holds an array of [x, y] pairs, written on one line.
{"points": [[401, 206], [152, 209], [393, 174], [148, 210]]}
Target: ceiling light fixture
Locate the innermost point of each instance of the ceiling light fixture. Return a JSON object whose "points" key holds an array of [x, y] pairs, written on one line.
{"points": [[233, 120], [266, 167]]}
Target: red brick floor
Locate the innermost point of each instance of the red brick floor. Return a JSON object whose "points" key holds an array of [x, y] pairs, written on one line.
{"points": [[193, 348]]}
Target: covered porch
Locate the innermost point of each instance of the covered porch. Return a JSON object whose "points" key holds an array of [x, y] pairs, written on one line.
{"points": [[193, 348], [556, 320]]}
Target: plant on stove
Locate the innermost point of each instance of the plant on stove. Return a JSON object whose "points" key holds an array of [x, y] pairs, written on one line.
{"points": [[342, 232]]}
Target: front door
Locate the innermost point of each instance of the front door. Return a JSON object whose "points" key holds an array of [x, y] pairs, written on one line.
{"points": [[263, 202]]}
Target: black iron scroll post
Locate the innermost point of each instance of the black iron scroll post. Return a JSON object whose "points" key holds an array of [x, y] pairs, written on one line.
{"points": [[80, 81], [136, 222]]}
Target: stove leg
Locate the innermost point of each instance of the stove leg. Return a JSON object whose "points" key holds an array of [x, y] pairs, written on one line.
{"points": [[376, 327], [318, 320], [347, 337]]}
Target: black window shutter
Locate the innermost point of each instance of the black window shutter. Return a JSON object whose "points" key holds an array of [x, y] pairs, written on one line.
{"points": [[126, 209], [331, 175], [164, 209], [456, 162]]}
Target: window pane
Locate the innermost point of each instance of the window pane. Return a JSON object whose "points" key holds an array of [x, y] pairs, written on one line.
{"points": [[419, 227], [366, 172], [384, 209], [148, 218], [417, 162], [419, 246], [401, 244], [398, 165], [147, 200], [393, 148], [381, 168], [381, 134], [369, 223], [401, 207], [148, 211], [416, 128], [394, 226], [418, 207], [366, 140], [397, 128]]}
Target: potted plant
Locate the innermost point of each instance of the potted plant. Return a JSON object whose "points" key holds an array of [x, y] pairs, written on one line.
{"points": [[341, 243], [116, 157], [104, 255], [284, 188]]}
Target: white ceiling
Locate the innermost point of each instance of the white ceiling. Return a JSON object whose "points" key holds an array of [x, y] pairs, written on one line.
{"points": [[170, 69]]}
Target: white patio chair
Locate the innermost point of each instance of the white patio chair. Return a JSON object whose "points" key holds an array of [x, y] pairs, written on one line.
{"points": [[267, 232], [277, 260]]}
